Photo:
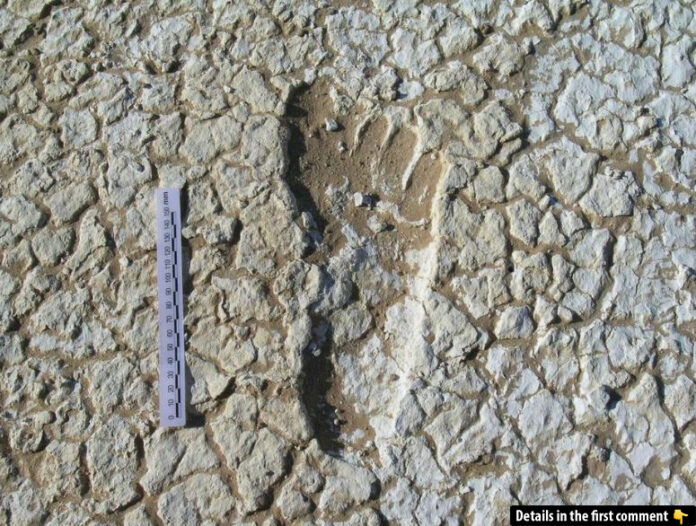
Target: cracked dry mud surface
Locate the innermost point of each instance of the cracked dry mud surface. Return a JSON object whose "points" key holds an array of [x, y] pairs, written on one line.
{"points": [[439, 258]]}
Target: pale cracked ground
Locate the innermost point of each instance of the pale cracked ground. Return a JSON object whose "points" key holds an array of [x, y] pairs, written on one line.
{"points": [[508, 316]]}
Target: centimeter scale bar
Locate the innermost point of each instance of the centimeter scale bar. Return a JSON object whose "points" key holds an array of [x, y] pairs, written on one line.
{"points": [[172, 392]]}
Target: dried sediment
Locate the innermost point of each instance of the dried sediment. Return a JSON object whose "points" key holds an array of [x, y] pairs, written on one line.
{"points": [[439, 259]]}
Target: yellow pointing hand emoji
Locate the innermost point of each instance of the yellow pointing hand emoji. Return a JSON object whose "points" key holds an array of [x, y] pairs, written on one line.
{"points": [[679, 515]]}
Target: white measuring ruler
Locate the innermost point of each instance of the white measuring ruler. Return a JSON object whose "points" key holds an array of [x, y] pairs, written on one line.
{"points": [[172, 392]]}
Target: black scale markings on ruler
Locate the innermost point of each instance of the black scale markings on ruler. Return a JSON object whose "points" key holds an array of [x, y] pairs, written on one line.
{"points": [[171, 309]]}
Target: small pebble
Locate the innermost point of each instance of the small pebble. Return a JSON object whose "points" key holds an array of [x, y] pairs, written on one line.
{"points": [[308, 221], [331, 125], [376, 224], [365, 200]]}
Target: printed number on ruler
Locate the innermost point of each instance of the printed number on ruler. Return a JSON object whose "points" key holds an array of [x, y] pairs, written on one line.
{"points": [[172, 386]]}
